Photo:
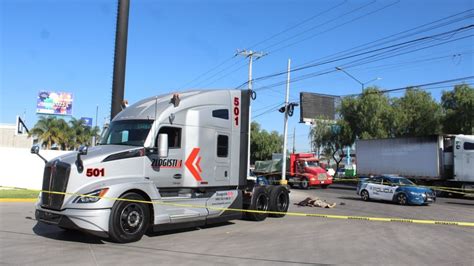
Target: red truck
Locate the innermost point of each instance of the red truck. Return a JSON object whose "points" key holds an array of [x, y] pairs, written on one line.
{"points": [[303, 171]]}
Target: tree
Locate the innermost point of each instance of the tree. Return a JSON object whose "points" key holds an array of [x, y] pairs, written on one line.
{"points": [[458, 107], [369, 115], [264, 144], [333, 138], [416, 114], [50, 131], [47, 130], [79, 136]]}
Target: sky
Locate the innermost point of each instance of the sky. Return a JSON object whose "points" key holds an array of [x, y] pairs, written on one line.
{"points": [[179, 45]]}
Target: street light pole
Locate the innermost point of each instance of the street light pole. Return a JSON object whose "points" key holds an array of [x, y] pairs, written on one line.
{"points": [[354, 78]]}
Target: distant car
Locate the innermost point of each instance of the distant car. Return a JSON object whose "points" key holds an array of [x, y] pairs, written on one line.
{"points": [[394, 188], [331, 171]]}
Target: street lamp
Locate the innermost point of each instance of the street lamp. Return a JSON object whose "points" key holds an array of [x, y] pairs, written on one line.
{"points": [[358, 81]]}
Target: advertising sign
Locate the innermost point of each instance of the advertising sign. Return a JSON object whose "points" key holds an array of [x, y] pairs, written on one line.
{"points": [[87, 121], [54, 103]]}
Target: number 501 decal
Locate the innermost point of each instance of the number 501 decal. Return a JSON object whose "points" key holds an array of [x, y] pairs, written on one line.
{"points": [[236, 110], [95, 172]]}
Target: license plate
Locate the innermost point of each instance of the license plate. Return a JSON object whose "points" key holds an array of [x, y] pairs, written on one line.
{"points": [[322, 182]]}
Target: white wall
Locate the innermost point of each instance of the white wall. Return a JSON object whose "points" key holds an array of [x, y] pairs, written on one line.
{"points": [[20, 168]]}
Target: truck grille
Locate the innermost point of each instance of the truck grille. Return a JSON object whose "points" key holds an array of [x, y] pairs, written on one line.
{"points": [[55, 178], [322, 176]]}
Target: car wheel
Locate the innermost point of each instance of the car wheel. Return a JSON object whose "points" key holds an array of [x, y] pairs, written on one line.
{"points": [[304, 183], [364, 194], [402, 199], [128, 219], [258, 202], [279, 201]]}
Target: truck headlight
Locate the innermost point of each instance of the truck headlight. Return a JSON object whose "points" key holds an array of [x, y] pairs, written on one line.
{"points": [[91, 197]]}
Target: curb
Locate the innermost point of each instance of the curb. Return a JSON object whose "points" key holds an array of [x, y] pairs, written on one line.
{"points": [[17, 200]]}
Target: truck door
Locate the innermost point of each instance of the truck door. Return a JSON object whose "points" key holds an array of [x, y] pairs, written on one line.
{"points": [[222, 158], [167, 172]]}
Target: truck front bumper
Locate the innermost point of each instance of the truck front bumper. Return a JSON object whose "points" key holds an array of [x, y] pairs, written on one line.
{"points": [[320, 182], [95, 221]]}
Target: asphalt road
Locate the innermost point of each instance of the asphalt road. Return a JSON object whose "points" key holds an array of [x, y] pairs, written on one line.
{"points": [[275, 241]]}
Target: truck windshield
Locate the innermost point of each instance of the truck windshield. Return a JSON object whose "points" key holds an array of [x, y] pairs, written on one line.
{"points": [[312, 164], [127, 132]]}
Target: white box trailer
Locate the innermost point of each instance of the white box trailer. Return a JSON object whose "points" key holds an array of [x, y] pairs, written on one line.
{"points": [[175, 160], [448, 159]]}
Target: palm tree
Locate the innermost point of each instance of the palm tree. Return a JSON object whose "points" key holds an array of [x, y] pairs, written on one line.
{"points": [[47, 131], [78, 132], [65, 134]]}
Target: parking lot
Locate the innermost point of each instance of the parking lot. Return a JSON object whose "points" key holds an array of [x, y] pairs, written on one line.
{"points": [[288, 240]]}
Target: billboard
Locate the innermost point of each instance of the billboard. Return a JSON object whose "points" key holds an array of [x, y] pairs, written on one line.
{"points": [[314, 105], [54, 103], [87, 121]]}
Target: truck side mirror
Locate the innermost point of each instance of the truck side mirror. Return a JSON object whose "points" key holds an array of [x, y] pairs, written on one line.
{"points": [[163, 145], [35, 149], [83, 150]]}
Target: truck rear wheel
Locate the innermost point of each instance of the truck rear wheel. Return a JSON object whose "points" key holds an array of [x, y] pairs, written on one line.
{"points": [[259, 202], [128, 219], [279, 201]]}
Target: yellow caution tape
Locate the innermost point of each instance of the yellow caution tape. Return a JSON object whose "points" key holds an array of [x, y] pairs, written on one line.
{"points": [[329, 216]]}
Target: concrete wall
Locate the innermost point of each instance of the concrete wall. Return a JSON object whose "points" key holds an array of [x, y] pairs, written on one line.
{"points": [[20, 168], [8, 138]]}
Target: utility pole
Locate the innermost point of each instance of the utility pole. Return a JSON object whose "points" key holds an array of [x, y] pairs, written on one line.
{"points": [[94, 139], [294, 139], [250, 55], [285, 128], [120, 57]]}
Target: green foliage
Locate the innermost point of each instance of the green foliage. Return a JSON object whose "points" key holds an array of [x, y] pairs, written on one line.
{"points": [[332, 137], [369, 115], [51, 130], [416, 114], [458, 106], [263, 144]]}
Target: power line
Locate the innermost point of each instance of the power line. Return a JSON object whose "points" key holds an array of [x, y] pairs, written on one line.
{"points": [[390, 38], [352, 63], [413, 86], [298, 24], [337, 26], [254, 45]]}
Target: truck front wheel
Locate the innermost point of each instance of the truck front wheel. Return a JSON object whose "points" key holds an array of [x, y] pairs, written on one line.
{"points": [[279, 201], [304, 183], [128, 219]]}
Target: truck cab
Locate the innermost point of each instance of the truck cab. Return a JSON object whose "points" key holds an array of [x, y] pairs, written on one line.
{"points": [[305, 171], [168, 161]]}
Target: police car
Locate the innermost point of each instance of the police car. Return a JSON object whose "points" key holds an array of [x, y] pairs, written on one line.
{"points": [[394, 188]]}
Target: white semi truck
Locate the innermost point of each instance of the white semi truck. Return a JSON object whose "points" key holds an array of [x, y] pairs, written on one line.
{"points": [[186, 153], [438, 160]]}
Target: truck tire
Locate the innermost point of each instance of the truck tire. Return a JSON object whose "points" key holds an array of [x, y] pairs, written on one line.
{"points": [[128, 219], [258, 202], [304, 183], [279, 201]]}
